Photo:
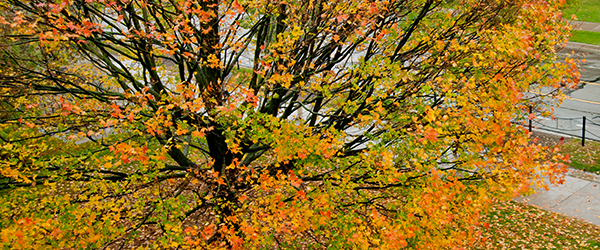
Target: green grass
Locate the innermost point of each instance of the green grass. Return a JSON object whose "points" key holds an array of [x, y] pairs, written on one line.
{"points": [[588, 37], [585, 10], [585, 158], [512, 225]]}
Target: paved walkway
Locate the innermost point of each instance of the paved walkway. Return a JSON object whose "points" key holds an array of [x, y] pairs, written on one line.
{"points": [[587, 26], [578, 197]]}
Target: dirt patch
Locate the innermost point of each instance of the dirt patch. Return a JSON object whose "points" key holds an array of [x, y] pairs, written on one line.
{"points": [[548, 140]]}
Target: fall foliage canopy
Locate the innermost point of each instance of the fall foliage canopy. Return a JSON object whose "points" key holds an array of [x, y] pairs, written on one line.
{"points": [[269, 124]]}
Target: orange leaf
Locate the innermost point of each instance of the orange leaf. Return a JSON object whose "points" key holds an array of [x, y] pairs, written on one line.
{"points": [[236, 5]]}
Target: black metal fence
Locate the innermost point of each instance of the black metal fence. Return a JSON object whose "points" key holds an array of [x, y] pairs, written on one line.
{"points": [[586, 128]]}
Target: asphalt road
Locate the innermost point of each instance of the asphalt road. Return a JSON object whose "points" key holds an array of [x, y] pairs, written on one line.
{"points": [[584, 101]]}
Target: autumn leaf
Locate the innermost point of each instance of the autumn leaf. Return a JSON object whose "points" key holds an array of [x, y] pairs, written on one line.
{"points": [[238, 8], [431, 134]]}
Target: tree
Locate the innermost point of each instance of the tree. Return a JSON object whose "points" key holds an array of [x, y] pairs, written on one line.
{"points": [[290, 124]]}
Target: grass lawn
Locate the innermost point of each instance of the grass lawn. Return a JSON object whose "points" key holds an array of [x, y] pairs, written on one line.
{"points": [[588, 37], [585, 158], [585, 10], [512, 225]]}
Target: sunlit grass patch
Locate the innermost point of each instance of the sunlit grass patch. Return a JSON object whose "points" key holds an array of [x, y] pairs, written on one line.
{"points": [[586, 157], [585, 10], [588, 37]]}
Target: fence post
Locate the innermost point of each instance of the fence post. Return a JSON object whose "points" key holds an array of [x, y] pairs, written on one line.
{"points": [[583, 133], [530, 111]]}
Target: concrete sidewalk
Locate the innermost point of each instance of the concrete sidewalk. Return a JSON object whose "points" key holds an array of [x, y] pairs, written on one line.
{"points": [[586, 26], [578, 197]]}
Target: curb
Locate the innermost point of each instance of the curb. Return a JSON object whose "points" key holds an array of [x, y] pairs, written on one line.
{"points": [[582, 46], [580, 174]]}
